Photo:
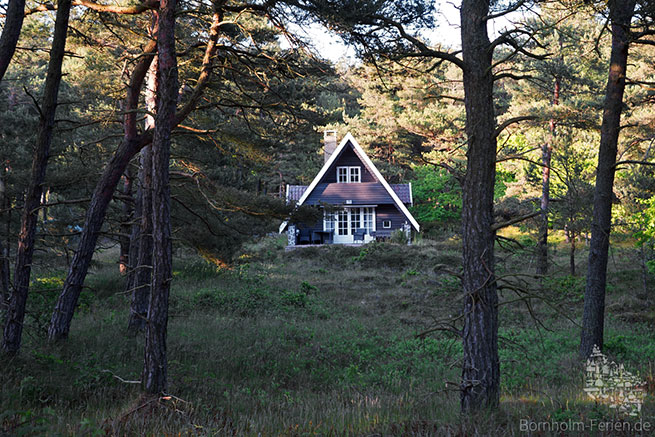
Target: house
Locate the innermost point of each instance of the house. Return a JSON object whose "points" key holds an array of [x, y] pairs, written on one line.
{"points": [[357, 202]]}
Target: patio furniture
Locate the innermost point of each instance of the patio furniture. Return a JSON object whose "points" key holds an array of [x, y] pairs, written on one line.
{"points": [[304, 236], [359, 235]]}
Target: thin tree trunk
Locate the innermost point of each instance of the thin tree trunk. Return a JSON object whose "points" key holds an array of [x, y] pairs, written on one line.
{"points": [[126, 218], [621, 12], [644, 271], [481, 369], [11, 33], [7, 257], [143, 276], [546, 154], [155, 366], [16, 311], [572, 255], [65, 307], [4, 252], [133, 253]]}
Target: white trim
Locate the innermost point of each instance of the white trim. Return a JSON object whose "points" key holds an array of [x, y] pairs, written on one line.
{"points": [[287, 196], [368, 163], [411, 196]]}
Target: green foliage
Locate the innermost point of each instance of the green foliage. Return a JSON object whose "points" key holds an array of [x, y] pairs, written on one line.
{"points": [[437, 195], [398, 236], [41, 299], [570, 286], [251, 298]]}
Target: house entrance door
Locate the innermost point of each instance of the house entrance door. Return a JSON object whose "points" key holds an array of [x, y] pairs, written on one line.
{"points": [[342, 231], [349, 220]]}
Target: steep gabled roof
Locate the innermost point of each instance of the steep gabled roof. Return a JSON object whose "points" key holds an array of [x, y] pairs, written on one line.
{"points": [[371, 167]]}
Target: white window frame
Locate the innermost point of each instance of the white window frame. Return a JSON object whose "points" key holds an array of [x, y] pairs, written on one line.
{"points": [[329, 221], [351, 174], [348, 216], [384, 224]]}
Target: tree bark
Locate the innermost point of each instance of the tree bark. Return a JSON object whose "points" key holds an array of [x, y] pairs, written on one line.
{"points": [[546, 155], [621, 12], [481, 369], [11, 33], [155, 367], [143, 269], [16, 311], [142, 278], [65, 307]]}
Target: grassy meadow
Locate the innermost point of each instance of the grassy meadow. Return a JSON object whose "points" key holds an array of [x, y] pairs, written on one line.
{"points": [[322, 341]]}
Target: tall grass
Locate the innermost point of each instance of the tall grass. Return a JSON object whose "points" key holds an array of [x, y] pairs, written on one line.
{"points": [[318, 341]]}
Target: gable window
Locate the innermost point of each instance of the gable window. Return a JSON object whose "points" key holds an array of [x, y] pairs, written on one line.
{"points": [[351, 174], [354, 174]]}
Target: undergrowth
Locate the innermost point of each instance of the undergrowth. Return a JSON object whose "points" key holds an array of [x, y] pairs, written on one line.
{"points": [[316, 341]]}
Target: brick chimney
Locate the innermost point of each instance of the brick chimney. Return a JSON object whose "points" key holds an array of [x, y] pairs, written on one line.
{"points": [[330, 142]]}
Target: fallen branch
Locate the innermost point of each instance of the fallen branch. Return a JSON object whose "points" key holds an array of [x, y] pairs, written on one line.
{"points": [[498, 226]]}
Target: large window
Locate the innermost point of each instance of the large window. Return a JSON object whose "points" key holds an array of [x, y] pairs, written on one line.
{"points": [[349, 175], [351, 219]]}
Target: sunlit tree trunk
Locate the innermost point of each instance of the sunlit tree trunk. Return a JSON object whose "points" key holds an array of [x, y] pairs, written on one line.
{"points": [[621, 12], [16, 310], [155, 366], [480, 370]]}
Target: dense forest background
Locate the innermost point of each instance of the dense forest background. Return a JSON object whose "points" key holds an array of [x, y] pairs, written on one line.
{"points": [[157, 145]]}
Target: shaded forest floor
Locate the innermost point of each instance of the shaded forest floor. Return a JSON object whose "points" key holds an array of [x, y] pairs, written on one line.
{"points": [[322, 341]]}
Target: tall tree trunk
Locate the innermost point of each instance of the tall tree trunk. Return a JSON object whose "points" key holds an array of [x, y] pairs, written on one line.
{"points": [[155, 366], [132, 143], [481, 369], [11, 33], [65, 307], [546, 154], [621, 12], [143, 271], [127, 217], [16, 311]]}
